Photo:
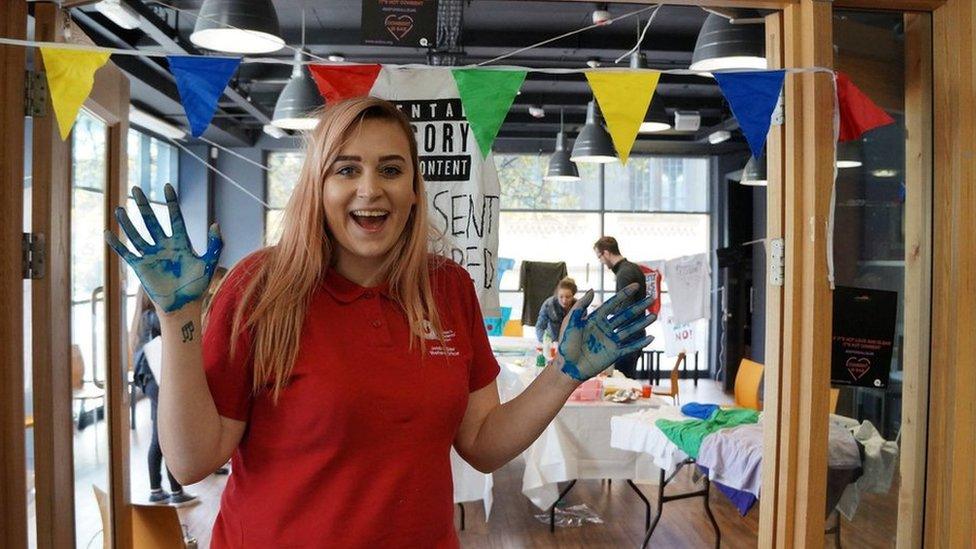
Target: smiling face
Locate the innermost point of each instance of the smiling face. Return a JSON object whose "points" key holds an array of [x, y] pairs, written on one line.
{"points": [[369, 195]]}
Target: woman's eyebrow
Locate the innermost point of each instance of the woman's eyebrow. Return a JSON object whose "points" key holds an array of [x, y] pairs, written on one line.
{"points": [[392, 157], [348, 158]]}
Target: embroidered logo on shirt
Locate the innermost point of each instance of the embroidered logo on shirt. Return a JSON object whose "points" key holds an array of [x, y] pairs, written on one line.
{"points": [[439, 350]]}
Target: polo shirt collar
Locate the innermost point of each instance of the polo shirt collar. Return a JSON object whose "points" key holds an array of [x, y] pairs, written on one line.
{"points": [[347, 291]]}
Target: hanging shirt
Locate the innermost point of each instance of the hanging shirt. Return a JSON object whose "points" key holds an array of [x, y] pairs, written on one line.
{"points": [[689, 283], [538, 280], [356, 453], [652, 278]]}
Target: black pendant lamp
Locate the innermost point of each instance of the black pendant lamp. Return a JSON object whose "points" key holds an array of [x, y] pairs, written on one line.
{"points": [[849, 155], [561, 167], [723, 44], [237, 26], [754, 174], [296, 106], [298, 100], [593, 144], [656, 119]]}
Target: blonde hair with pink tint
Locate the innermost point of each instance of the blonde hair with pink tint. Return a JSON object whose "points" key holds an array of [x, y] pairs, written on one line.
{"points": [[275, 300]]}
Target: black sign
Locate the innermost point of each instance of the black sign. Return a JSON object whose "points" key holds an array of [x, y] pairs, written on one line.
{"points": [[863, 336], [411, 23]]}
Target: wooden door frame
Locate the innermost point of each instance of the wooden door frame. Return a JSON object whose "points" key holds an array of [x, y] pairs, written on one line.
{"points": [[109, 101], [13, 473]]}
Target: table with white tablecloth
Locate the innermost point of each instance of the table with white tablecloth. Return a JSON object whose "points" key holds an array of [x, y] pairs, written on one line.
{"points": [[576, 445]]}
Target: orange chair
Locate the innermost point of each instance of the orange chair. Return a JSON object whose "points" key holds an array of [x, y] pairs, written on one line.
{"points": [[747, 382], [675, 372], [834, 397], [512, 328]]}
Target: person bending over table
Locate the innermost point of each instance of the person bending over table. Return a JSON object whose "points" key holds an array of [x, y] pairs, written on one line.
{"points": [[321, 456], [555, 308]]}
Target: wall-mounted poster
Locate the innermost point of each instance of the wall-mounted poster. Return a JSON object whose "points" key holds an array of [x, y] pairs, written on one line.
{"points": [[863, 336], [411, 23]]}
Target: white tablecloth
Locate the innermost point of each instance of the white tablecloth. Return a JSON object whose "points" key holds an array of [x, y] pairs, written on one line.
{"points": [[576, 445], [470, 484]]}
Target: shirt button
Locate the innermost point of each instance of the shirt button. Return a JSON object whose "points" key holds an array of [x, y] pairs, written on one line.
{"points": [[376, 323], [368, 294]]}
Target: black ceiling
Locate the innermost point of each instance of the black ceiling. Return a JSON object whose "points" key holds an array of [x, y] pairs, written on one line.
{"points": [[490, 28]]}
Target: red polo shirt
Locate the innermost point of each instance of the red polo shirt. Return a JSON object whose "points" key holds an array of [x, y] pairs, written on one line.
{"points": [[357, 451]]}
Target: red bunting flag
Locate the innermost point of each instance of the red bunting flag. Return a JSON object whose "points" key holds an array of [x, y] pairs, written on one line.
{"points": [[338, 82], [858, 114]]}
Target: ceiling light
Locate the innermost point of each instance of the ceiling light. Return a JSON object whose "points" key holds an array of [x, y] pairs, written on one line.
{"points": [[561, 168], [154, 124], [119, 13], [274, 131], [593, 62], [601, 15], [885, 172], [656, 120], [719, 136], [237, 26], [536, 111], [844, 164], [336, 57], [593, 143], [298, 101], [724, 45], [638, 60], [849, 155], [754, 174]]}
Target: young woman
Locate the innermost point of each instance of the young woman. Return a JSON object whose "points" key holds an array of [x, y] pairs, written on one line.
{"points": [[555, 308], [145, 326], [340, 366]]}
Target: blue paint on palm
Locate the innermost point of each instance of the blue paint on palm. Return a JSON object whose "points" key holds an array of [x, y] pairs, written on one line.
{"points": [[172, 274], [591, 343]]}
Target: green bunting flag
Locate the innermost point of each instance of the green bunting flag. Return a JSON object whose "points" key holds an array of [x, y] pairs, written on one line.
{"points": [[486, 96]]}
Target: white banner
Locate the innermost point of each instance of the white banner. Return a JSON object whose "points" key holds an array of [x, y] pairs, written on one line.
{"points": [[462, 187]]}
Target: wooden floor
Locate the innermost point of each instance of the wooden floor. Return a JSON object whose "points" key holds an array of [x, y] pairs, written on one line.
{"points": [[513, 524]]}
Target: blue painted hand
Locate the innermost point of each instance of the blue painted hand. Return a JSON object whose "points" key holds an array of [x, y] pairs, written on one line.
{"points": [[591, 343], [172, 274]]}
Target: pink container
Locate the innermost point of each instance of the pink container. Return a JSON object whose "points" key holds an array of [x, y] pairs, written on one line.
{"points": [[589, 390]]}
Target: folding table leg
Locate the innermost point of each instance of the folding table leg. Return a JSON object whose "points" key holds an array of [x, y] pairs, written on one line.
{"points": [[711, 517], [552, 510]]}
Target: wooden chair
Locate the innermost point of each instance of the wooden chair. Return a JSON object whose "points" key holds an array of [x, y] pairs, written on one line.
{"points": [[153, 526], [834, 397], [747, 381], [675, 373]]}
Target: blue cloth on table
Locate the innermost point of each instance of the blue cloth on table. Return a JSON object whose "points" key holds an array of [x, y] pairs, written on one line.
{"points": [[742, 500], [698, 410]]}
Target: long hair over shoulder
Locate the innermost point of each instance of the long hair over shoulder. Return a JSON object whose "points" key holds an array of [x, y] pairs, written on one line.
{"points": [[275, 299]]}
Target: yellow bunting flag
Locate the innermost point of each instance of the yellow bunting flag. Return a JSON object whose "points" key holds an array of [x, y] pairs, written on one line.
{"points": [[623, 98], [70, 77]]}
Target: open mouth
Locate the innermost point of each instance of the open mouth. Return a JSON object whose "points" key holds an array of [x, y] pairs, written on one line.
{"points": [[370, 220]]}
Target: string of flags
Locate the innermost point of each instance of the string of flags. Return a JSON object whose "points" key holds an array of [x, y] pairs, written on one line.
{"points": [[487, 94]]}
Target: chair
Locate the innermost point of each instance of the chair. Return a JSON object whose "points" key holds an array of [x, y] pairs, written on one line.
{"points": [[675, 373], [747, 381], [834, 397], [153, 526], [513, 328], [83, 391]]}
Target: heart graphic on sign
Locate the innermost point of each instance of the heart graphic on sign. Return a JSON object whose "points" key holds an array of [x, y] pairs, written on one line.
{"points": [[858, 367], [398, 25]]}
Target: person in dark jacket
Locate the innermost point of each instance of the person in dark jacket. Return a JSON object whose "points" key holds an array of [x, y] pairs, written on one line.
{"points": [[608, 252], [145, 326], [554, 309]]}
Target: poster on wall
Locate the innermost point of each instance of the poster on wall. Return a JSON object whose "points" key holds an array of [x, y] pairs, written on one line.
{"points": [[462, 186], [863, 336], [411, 23]]}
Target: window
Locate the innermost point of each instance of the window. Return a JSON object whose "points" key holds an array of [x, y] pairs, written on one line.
{"points": [[283, 171], [656, 208]]}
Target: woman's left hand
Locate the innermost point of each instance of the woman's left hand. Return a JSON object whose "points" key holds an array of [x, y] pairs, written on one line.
{"points": [[590, 343]]}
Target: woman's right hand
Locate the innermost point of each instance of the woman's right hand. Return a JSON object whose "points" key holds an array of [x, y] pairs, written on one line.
{"points": [[172, 274]]}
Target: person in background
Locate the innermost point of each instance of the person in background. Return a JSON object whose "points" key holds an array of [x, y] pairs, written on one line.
{"points": [[626, 273], [555, 308], [145, 326]]}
